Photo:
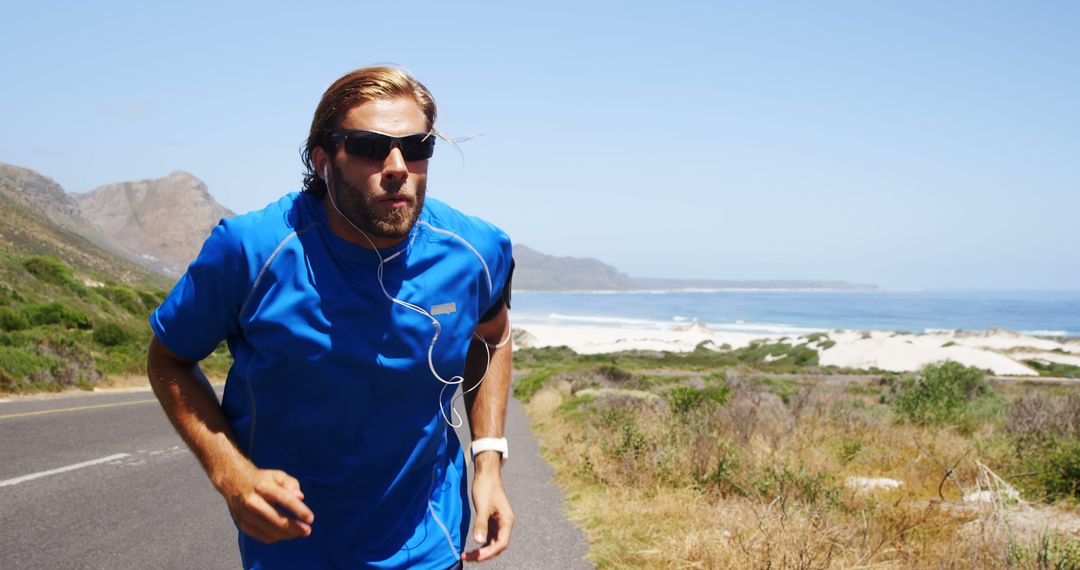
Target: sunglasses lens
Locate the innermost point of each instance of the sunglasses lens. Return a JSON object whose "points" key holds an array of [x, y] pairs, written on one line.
{"points": [[371, 146], [417, 147]]}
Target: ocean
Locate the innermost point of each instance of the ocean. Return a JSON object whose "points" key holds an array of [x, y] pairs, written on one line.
{"points": [[1042, 313]]}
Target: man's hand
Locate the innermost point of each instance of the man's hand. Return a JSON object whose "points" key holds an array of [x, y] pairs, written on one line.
{"points": [[494, 519], [267, 504]]}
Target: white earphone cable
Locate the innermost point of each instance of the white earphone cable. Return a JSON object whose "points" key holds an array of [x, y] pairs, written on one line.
{"points": [[454, 420]]}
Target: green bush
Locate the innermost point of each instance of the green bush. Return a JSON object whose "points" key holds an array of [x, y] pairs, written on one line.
{"points": [[126, 298], [944, 393], [1055, 369], [530, 384], [24, 365], [53, 271], [1057, 551], [682, 399], [12, 321], [808, 486], [1062, 478], [151, 299], [777, 357], [779, 386], [56, 313], [111, 334]]}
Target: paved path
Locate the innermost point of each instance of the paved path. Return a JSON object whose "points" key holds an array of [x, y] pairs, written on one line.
{"points": [[84, 477], [542, 536]]}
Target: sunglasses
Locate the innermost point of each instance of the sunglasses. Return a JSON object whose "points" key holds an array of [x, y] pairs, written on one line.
{"points": [[374, 145]]}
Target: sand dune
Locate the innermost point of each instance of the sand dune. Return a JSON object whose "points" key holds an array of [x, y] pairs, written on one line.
{"points": [[999, 351]]}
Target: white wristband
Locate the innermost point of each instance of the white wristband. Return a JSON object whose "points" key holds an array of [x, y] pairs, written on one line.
{"points": [[491, 444]]}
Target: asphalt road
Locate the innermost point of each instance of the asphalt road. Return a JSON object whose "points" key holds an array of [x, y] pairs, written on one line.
{"points": [[102, 481]]}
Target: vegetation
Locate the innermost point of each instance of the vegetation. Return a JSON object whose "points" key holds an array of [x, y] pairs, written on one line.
{"points": [[730, 459], [57, 332], [1055, 369], [950, 393]]}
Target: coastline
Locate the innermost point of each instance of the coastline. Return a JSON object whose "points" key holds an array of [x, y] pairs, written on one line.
{"points": [[1002, 352]]}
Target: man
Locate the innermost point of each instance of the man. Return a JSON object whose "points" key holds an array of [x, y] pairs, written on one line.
{"points": [[353, 311]]}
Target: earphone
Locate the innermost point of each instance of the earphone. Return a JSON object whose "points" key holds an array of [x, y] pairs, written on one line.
{"points": [[454, 420]]}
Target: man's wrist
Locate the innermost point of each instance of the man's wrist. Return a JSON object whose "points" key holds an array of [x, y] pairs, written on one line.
{"points": [[228, 470], [487, 462], [489, 453]]}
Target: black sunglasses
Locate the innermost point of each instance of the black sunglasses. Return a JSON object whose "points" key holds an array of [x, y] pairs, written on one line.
{"points": [[374, 145]]}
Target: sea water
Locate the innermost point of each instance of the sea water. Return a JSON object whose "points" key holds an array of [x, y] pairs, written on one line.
{"points": [[1043, 313]]}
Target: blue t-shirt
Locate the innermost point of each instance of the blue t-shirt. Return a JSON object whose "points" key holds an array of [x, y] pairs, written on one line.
{"points": [[330, 380]]}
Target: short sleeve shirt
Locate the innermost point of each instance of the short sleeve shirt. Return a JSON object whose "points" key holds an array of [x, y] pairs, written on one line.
{"points": [[331, 380]]}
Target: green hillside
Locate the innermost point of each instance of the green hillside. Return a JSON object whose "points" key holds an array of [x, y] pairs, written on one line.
{"points": [[72, 314], [57, 332]]}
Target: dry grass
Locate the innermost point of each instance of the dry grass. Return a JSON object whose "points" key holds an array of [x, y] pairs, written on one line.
{"points": [[760, 483]]}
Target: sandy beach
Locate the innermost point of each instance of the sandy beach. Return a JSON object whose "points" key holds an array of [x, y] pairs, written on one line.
{"points": [[1000, 351]]}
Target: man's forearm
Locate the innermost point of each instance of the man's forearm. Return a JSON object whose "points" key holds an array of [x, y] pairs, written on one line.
{"points": [[486, 406], [192, 407]]}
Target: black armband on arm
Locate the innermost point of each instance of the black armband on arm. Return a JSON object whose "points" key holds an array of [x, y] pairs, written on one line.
{"points": [[504, 297]]}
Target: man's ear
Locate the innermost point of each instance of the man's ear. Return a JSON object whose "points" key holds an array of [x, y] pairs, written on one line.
{"points": [[322, 162]]}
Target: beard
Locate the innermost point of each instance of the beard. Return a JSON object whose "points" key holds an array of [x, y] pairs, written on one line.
{"points": [[363, 210]]}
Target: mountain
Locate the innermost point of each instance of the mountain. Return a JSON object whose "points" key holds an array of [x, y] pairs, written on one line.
{"points": [[541, 272], [537, 271], [38, 218], [163, 221]]}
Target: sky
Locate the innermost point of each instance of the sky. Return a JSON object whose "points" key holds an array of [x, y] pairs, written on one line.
{"points": [[912, 145]]}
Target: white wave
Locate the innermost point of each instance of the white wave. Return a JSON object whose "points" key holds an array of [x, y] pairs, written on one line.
{"points": [[764, 328], [1048, 333], [559, 318]]}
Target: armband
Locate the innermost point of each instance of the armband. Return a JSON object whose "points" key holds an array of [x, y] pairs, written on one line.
{"points": [[491, 444]]}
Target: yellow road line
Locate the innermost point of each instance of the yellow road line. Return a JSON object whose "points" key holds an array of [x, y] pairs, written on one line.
{"points": [[76, 409]]}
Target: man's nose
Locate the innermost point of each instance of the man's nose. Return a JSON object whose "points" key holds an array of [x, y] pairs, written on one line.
{"points": [[394, 165]]}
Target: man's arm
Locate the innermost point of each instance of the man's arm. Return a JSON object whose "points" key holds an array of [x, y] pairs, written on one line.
{"points": [[486, 408], [252, 494]]}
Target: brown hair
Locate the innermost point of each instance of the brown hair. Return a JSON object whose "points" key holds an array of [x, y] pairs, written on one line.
{"points": [[352, 89]]}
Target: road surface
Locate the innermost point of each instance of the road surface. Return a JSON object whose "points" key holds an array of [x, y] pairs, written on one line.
{"points": [[101, 480]]}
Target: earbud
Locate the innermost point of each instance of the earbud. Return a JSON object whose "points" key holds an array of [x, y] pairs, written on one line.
{"points": [[326, 176]]}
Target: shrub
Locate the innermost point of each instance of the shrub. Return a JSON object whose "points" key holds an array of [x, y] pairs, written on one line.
{"points": [[614, 374], [531, 383], [1061, 477], [56, 313], [682, 399], [12, 321], [1054, 369], [943, 393], [802, 484], [23, 364], [111, 334], [152, 299], [53, 271], [1040, 416], [126, 298]]}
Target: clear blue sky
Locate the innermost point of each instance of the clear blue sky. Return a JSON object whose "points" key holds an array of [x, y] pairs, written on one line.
{"points": [[908, 144]]}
